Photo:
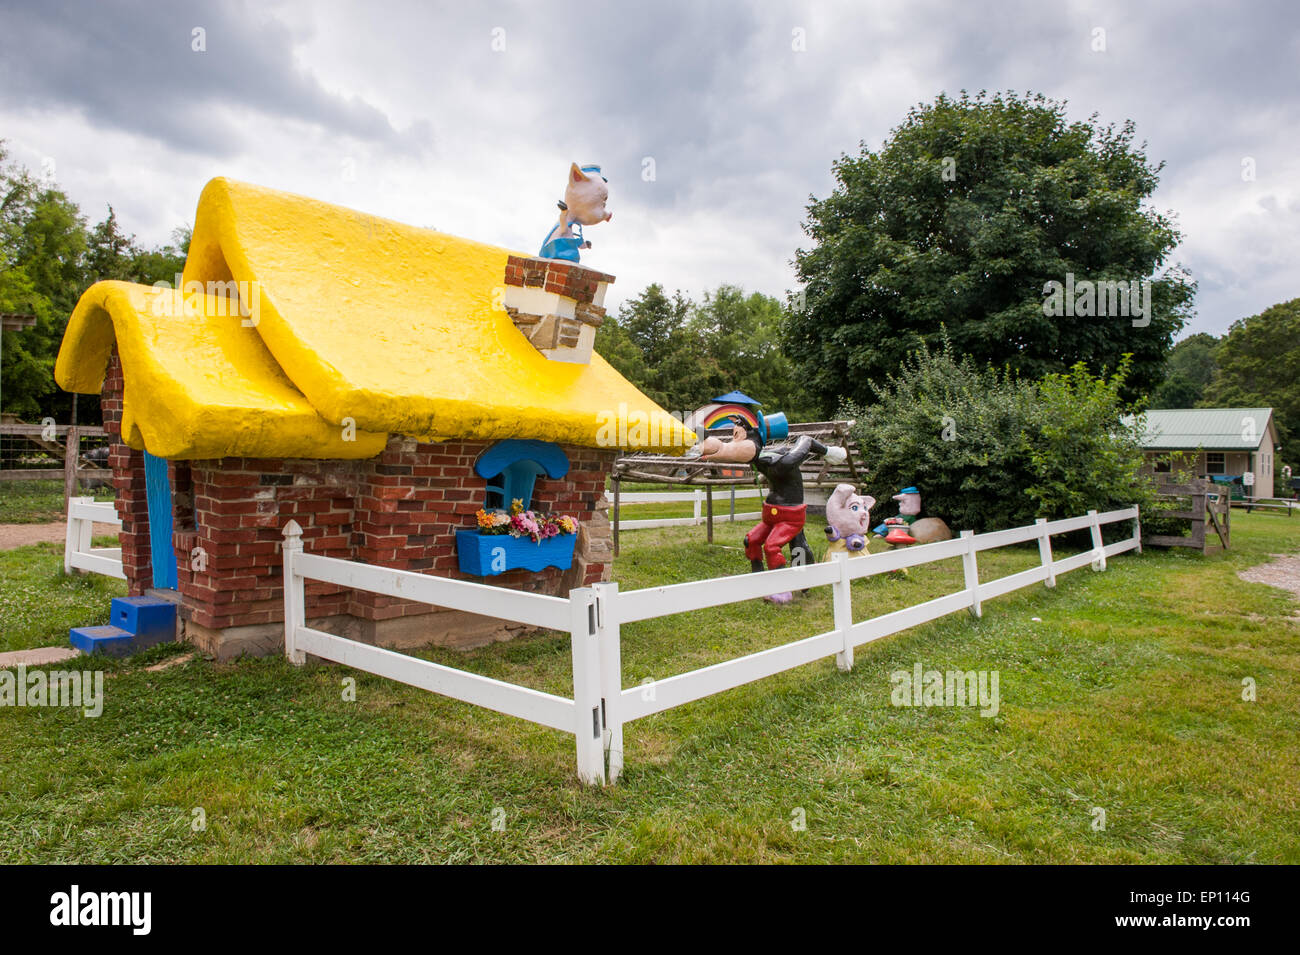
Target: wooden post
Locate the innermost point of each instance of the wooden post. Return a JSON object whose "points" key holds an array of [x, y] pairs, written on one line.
{"points": [[1045, 551], [695, 507], [842, 602], [971, 570], [708, 493], [588, 730], [295, 601], [77, 536], [617, 485], [1098, 547], [611, 675], [71, 452]]}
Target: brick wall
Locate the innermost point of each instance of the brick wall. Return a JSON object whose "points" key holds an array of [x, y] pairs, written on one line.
{"points": [[128, 478], [400, 509]]}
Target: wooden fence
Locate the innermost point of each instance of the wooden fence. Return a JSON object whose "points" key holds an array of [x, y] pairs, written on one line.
{"points": [[1207, 509], [34, 452]]}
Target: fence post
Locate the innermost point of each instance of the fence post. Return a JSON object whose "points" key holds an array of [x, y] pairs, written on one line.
{"points": [[699, 495], [1045, 550], [587, 729], [77, 535], [1098, 548], [609, 639], [618, 486], [841, 595], [708, 498], [1137, 526], [71, 451], [972, 573], [295, 600]]}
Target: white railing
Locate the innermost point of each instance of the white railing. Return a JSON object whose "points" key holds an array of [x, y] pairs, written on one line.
{"points": [[594, 616], [679, 497], [83, 514]]}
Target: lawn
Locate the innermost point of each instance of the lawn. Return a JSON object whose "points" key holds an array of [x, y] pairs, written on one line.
{"points": [[36, 502], [1125, 696]]}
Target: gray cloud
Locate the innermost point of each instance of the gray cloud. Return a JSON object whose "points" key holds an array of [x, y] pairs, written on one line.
{"points": [[131, 65], [742, 128]]}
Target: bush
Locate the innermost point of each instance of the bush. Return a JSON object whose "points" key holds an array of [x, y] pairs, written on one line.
{"points": [[989, 451]]}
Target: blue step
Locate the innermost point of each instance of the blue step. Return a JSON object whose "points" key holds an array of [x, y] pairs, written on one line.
{"points": [[149, 619], [110, 640]]}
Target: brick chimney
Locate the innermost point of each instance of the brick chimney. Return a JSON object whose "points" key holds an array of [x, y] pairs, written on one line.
{"points": [[558, 305]]}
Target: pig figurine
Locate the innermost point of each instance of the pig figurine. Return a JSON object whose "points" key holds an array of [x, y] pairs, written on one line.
{"points": [[584, 204], [848, 517]]}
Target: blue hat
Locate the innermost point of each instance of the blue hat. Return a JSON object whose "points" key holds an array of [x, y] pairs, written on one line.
{"points": [[909, 490]]}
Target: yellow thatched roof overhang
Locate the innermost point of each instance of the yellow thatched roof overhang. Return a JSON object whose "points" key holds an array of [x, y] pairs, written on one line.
{"points": [[319, 331]]}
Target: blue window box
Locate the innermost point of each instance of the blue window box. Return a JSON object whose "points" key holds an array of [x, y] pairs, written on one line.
{"points": [[485, 555]]}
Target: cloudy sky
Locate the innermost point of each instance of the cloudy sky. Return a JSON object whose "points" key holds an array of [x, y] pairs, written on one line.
{"points": [[714, 122]]}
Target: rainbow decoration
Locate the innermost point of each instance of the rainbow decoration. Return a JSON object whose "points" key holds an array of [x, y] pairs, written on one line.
{"points": [[717, 416]]}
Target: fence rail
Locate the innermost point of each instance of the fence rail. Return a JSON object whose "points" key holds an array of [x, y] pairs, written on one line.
{"points": [[35, 452], [702, 498], [601, 706], [78, 554]]}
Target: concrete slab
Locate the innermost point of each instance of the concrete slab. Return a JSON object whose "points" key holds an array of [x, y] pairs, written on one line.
{"points": [[37, 657]]}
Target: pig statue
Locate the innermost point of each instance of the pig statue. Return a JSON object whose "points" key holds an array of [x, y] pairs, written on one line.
{"points": [[848, 518], [583, 204]]}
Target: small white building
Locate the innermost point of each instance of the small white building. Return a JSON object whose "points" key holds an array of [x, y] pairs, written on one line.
{"points": [[1235, 446]]}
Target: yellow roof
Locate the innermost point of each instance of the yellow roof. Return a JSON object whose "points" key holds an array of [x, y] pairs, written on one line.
{"points": [[349, 320]]}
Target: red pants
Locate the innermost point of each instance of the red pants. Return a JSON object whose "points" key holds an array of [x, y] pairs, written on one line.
{"points": [[779, 526]]}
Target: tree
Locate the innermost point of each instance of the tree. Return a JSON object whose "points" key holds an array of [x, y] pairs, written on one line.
{"points": [[989, 450], [682, 353], [1188, 371], [1259, 367], [960, 219], [48, 258]]}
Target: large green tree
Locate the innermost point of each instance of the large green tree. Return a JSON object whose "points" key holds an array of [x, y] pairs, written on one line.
{"points": [[1259, 366], [48, 257], [958, 221], [683, 353], [1188, 372]]}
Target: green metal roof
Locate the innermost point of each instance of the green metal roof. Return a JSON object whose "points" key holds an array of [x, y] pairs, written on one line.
{"points": [[1212, 429]]}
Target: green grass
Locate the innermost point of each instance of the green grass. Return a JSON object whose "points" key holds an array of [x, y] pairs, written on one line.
{"points": [[38, 603], [38, 502], [1126, 696]]}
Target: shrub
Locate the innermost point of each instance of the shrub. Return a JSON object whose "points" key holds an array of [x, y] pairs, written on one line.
{"points": [[989, 451]]}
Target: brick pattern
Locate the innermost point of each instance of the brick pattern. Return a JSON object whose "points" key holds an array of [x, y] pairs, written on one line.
{"points": [[400, 509], [554, 275], [127, 465]]}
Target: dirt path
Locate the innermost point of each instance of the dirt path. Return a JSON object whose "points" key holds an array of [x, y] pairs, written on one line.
{"points": [[20, 535], [1283, 572]]}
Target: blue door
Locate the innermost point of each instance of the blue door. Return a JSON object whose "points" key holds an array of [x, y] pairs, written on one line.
{"points": [[158, 494]]}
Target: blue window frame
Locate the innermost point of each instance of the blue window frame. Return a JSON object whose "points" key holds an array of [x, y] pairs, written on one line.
{"points": [[512, 468]]}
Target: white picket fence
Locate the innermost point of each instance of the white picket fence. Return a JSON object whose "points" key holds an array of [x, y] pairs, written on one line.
{"points": [[680, 497], [594, 616], [83, 514]]}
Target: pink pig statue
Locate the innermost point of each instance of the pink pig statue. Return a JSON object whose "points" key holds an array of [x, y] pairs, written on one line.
{"points": [[585, 196], [848, 517]]}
